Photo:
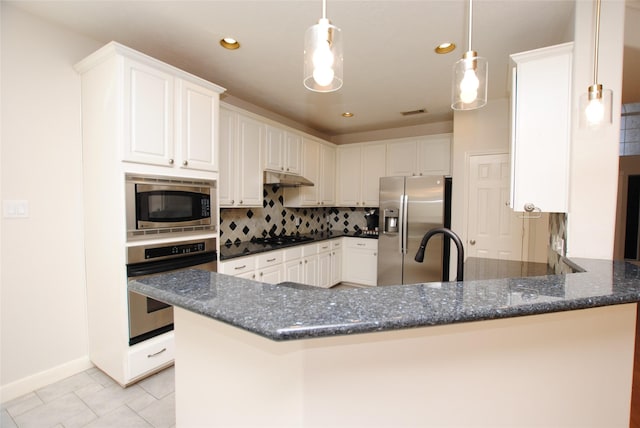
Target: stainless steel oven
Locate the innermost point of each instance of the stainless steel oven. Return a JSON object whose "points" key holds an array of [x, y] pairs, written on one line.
{"points": [[149, 317]]}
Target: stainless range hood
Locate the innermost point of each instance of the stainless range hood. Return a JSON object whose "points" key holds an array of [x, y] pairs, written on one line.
{"points": [[283, 179]]}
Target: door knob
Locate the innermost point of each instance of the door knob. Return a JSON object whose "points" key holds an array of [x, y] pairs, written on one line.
{"points": [[472, 242]]}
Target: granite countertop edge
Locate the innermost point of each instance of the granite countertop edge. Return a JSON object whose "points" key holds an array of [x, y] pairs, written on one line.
{"points": [[290, 311]]}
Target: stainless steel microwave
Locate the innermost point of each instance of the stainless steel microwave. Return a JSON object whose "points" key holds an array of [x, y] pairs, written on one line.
{"points": [[163, 205]]}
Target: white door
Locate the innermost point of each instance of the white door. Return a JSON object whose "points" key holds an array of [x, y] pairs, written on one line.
{"points": [[494, 230]]}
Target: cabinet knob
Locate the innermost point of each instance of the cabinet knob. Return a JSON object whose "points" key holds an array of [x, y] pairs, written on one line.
{"points": [[281, 168], [261, 273], [472, 242], [375, 254], [185, 163], [305, 262], [170, 161], [232, 202], [420, 173], [240, 202], [287, 169], [300, 261]]}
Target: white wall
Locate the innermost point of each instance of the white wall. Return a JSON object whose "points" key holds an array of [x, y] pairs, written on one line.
{"points": [[594, 153], [485, 130], [43, 309]]}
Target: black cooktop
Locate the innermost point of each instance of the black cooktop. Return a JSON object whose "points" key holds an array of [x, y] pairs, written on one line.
{"points": [[281, 240]]}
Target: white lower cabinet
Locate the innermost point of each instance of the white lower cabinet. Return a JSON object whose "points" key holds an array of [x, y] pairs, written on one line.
{"points": [[324, 264], [336, 261], [360, 261], [269, 267], [151, 354]]}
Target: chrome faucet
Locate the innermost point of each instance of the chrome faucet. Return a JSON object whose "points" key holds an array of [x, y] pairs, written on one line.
{"points": [[456, 239]]}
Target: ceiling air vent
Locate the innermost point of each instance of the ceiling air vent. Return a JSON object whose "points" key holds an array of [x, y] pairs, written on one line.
{"points": [[412, 112]]}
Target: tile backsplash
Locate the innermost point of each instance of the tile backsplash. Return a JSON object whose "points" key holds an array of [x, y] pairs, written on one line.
{"points": [[242, 224]]}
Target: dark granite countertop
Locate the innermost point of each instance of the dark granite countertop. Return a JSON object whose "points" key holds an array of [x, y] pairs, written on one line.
{"points": [[247, 248], [289, 311]]}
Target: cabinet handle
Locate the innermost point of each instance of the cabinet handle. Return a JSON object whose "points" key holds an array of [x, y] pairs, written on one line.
{"points": [[261, 273], [240, 202], [305, 262], [375, 254], [472, 242], [253, 276], [156, 353], [170, 161], [271, 260], [281, 168], [287, 169], [300, 261], [360, 245], [240, 267], [185, 163]]}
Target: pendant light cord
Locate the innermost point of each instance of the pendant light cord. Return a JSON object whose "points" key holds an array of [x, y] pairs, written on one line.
{"points": [[596, 43], [470, 20]]}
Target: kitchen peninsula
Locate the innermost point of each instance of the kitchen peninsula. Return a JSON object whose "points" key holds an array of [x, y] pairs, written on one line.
{"points": [[436, 354]]}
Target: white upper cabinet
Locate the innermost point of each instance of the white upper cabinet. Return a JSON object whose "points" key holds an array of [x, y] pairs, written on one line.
{"points": [[282, 150], [198, 112], [428, 155], [241, 178], [168, 121], [359, 170], [318, 166], [541, 128]]}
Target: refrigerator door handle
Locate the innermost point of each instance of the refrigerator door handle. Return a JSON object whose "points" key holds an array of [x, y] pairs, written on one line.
{"points": [[401, 226], [405, 224]]}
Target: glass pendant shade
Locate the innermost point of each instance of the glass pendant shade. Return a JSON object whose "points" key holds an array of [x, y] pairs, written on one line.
{"points": [[323, 57], [596, 107], [470, 78]]}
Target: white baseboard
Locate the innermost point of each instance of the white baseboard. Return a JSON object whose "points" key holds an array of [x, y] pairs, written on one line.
{"points": [[36, 381]]}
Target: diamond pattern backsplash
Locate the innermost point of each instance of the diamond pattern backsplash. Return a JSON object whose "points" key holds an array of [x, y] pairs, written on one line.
{"points": [[242, 224]]}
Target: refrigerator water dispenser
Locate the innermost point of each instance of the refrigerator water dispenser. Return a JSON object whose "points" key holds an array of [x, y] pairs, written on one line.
{"points": [[390, 220]]}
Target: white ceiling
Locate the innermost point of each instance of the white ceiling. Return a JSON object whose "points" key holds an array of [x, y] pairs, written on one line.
{"points": [[389, 62]]}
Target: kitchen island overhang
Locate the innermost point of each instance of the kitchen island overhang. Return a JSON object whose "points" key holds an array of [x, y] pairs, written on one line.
{"points": [[290, 311], [557, 367]]}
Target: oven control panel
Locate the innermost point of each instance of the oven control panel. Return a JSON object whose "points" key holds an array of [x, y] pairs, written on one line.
{"points": [[174, 250]]}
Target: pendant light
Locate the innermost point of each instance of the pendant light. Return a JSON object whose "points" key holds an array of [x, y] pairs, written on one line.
{"points": [[323, 55], [595, 105], [469, 90]]}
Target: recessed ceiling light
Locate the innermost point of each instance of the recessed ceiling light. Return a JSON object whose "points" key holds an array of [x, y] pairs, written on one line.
{"points": [[347, 114], [444, 48], [229, 43]]}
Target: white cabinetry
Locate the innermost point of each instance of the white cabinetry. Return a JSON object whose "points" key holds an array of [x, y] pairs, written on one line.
{"points": [[428, 155], [241, 177], [540, 128], [168, 120], [360, 261], [283, 150], [144, 112], [359, 170], [319, 166], [336, 261]]}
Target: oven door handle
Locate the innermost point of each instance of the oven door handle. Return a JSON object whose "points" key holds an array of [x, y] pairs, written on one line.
{"points": [[148, 268]]}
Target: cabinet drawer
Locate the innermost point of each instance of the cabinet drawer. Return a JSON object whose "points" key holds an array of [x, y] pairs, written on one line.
{"points": [[269, 258], [238, 266], [150, 355], [292, 253], [309, 250], [362, 243], [324, 246]]}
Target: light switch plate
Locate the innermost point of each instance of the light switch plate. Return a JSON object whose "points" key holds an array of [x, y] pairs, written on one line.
{"points": [[15, 208]]}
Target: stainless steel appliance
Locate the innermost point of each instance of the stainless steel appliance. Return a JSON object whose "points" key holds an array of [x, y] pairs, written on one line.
{"points": [[149, 317], [160, 205], [409, 207]]}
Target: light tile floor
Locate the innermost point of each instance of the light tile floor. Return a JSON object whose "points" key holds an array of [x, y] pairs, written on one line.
{"points": [[91, 399]]}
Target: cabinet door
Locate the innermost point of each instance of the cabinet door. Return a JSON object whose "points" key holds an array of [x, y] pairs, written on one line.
{"points": [[327, 177], [373, 167], [336, 267], [349, 172], [293, 271], [311, 270], [274, 148], [401, 158], [292, 153], [271, 274], [324, 269], [434, 155], [249, 177], [228, 133], [148, 115], [198, 112], [309, 196], [541, 129], [361, 266]]}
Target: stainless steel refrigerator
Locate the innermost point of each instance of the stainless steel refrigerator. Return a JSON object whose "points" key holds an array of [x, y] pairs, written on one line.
{"points": [[409, 207]]}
